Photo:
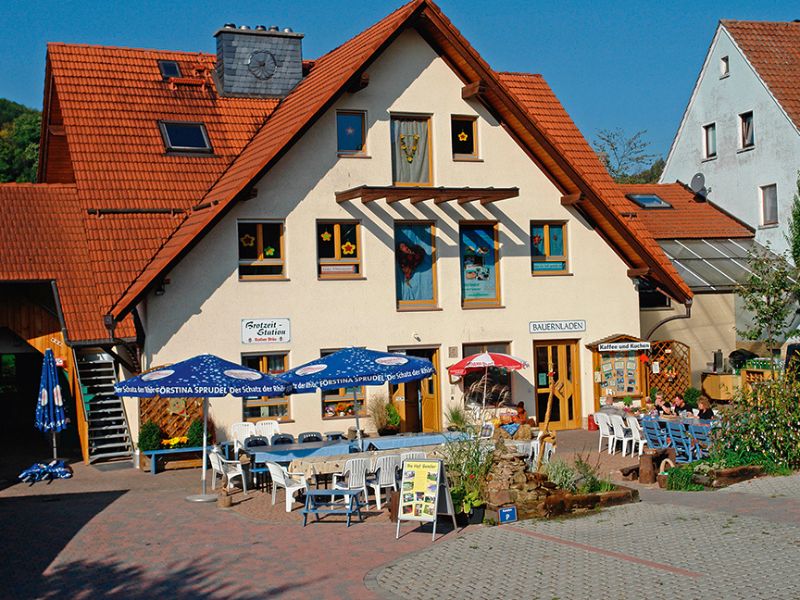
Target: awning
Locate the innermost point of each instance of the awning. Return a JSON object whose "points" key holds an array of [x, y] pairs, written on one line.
{"points": [[417, 194], [710, 265]]}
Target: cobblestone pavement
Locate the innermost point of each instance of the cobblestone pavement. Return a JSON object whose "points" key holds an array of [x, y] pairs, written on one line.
{"points": [[672, 545]]}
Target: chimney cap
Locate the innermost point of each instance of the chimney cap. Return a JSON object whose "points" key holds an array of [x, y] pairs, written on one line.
{"points": [[274, 28], [260, 28], [244, 27], [288, 30], [229, 26]]}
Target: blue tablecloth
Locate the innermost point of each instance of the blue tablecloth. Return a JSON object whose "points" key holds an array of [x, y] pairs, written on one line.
{"points": [[391, 442], [286, 453]]}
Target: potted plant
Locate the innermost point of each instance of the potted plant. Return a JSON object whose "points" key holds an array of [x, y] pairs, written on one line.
{"points": [[393, 420], [149, 439], [384, 415], [457, 418]]}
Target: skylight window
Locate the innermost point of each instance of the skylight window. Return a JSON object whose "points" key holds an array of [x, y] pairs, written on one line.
{"points": [[649, 201], [169, 68], [184, 137]]}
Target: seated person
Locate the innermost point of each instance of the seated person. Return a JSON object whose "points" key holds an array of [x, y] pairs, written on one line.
{"points": [[522, 415], [678, 405], [704, 404], [608, 407], [663, 408]]}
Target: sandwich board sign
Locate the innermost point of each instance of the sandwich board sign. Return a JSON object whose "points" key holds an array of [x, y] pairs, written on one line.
{"points": [[424, 493]]}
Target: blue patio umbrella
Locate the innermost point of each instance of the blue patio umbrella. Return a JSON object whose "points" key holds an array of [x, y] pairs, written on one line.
{"points": [[50, 417], [202, 376], [355, 367]]}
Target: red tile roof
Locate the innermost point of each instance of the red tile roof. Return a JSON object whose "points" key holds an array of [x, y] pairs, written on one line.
{"points": [[691, 216], [773, 48]]}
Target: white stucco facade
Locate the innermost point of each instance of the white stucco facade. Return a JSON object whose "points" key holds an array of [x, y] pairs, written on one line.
{"points": [[735, 176], [205, 300]]}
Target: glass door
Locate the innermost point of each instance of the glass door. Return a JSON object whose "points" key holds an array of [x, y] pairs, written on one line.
{"points": [[565, 412]]}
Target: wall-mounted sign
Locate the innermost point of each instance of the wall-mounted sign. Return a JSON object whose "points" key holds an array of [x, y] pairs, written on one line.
{"points": [[266, 331], [624, 346], [557, 326]]}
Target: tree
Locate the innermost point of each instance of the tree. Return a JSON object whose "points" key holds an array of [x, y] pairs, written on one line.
{"points": [[19, 142], [794, 225], [770, 297], [626, 158]]}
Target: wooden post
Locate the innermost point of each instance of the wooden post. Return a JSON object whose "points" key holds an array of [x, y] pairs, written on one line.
{"points": [[545, 434]]}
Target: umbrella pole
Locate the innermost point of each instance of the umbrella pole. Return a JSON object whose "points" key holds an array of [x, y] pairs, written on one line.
{"points": [[485, 383], [55, 449], [204, 497], [358, 434]]}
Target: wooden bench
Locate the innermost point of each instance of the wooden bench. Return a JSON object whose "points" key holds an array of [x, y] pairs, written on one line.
{"points": [[153, 455]]}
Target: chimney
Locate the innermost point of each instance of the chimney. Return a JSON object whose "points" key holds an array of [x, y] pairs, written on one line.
{"points": [[260, 62]]}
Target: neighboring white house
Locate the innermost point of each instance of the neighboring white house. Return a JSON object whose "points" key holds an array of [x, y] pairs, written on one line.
{"points": [[740, 128]]}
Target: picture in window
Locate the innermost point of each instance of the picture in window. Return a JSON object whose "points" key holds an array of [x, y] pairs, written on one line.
{"points": [[548, 248], [478, 263], [338, 249], [414, 247], [410, 155]]}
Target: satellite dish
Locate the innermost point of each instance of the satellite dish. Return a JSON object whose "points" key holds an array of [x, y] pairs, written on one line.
{"points": [[698, 185]]}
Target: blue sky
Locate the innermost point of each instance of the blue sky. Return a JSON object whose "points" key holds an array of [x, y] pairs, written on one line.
{"points": [[611, 63]]}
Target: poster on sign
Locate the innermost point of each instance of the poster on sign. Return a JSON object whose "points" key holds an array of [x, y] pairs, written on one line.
{"points": [[424, 493]]}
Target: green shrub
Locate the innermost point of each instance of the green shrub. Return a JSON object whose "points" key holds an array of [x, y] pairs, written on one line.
{"points": [[653, 392], [458, 418], [628, 401], [680, 479], [690, 396], [563, 475], [466, 463], [761, 425], [587, 480], [149, 436], [392, 416], [194, 437]]}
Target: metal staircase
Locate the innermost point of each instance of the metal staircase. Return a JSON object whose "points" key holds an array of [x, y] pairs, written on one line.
{"points": [[109, 436]]}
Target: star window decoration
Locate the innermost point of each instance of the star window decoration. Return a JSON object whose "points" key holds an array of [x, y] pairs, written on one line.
{"points": [[269, 251], [348, 248], [247, 240], [463, 137], [326, 236]]}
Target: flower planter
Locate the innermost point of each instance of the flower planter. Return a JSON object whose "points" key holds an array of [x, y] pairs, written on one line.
{"points": [[474, 517]]}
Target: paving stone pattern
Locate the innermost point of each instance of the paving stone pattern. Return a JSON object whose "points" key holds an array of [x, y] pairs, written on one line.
{"points": [[647, 550]]}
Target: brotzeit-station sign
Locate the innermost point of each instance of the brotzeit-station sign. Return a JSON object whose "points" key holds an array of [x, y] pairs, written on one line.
{"points": [[557, 326], [266, 331]]}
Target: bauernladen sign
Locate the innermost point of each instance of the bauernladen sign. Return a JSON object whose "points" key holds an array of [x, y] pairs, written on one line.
{"points": [[624, 346], [266, 331], [556, 326]]}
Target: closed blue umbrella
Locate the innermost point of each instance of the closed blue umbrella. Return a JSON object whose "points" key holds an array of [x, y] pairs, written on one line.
{"points": [[202, 376], [355, 367], [50, 417]]}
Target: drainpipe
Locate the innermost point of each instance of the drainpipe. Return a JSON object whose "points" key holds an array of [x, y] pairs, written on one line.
{"points": [[687, 315]]}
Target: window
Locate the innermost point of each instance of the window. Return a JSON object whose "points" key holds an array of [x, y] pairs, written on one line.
{"points": [[480, 281], [769, 204], [411, 151], [350, 133], [710, 140], [497, 381], [344, 402], [415, 264], [258, 408], [169, 68], [548, 248], [748, 138], [724, 67], [464, 137], [338, 250], [649, 201], [650, 297], [261, 250], [185, 137]]}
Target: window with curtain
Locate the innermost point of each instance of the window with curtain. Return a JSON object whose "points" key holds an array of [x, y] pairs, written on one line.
{"points": [[548, 248], [746, 126], [415, 277], [769, 205], [257, 408], [480, 283], [411, 160], [710, 140]]}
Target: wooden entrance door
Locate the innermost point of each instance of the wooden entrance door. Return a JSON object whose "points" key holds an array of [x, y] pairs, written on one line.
{"points": [[418, 402], [566, 410]]}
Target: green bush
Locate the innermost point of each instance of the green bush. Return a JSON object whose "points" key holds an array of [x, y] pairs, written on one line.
{"points": [[587, 480], [149, 436], [653, 392], [680, 479], [458, 418], [467, 463], [563, 475], [761, 425], [392, 416], [690, 396], [194, 437]]}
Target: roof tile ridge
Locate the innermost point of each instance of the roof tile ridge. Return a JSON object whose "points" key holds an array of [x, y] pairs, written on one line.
{"points": [[136, 49], [520, 74]]}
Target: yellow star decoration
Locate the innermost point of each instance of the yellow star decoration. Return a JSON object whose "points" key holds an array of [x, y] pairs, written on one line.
{"points": [[348, 248], [326, 236], [269, 251], [247, 240], [463, 137]]}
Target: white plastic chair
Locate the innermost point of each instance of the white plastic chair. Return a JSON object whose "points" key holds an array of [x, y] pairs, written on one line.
{"points": [[638, 436], [385, 475], [605, 432], [267, 428], [355, 471], [412, 456], [621, 434], [533, 454], [227, 470], [281, 477], [239, 433]]}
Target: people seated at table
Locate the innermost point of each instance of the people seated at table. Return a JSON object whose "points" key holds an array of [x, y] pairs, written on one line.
{"points": [[704, 406], [679, 405], [663, 408], [608, 407], [522, 415]]}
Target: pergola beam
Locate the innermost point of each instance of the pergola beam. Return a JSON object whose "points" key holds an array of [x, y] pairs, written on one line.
{"points": [[417, 194]]}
